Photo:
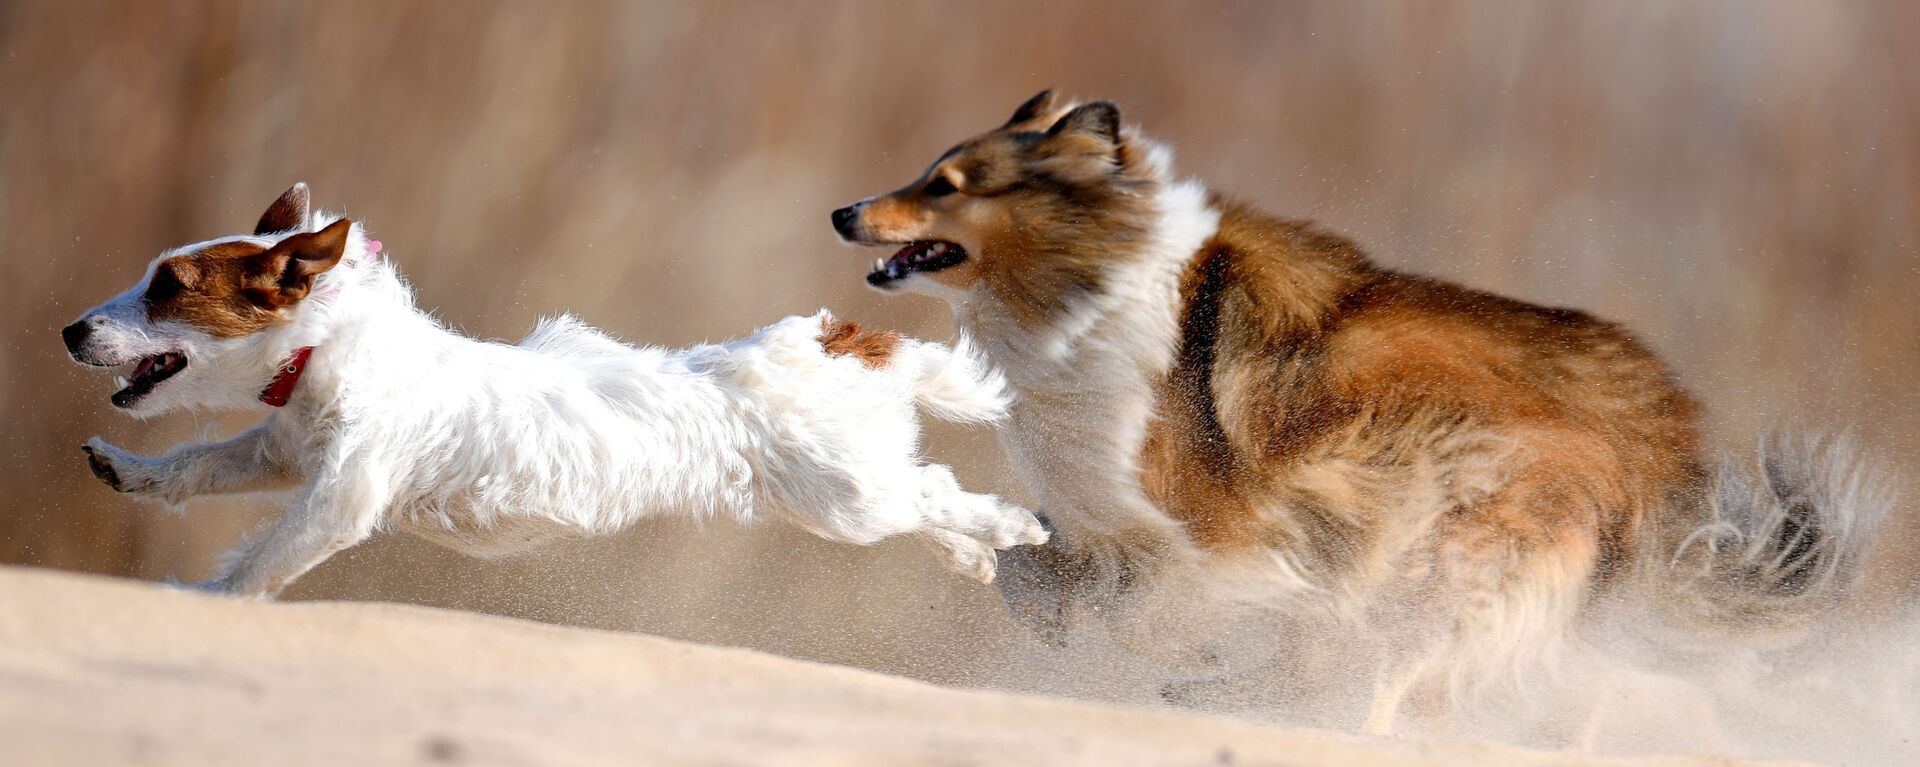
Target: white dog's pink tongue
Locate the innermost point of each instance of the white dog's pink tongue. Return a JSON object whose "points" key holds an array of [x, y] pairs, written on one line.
{"points": [[145, 366]]}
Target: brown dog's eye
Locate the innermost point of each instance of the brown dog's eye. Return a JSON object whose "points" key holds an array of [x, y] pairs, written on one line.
{"points": [[939, 187]]}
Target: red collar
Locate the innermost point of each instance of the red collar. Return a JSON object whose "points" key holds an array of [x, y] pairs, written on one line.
{"points": [[277, 393]]}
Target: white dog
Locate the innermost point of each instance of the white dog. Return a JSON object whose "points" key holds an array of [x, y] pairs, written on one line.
{"points": [[381, 416]]}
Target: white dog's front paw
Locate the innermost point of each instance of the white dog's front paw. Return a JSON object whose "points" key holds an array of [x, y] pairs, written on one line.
{"points": [[118, 468]]}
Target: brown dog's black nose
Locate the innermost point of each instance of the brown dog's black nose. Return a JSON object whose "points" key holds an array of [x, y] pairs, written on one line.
{"points": [[843, 220], [76, 336]]}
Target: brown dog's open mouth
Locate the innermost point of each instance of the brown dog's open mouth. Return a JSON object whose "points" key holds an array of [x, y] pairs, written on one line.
{"points": [[147, 374], [920, 256]]}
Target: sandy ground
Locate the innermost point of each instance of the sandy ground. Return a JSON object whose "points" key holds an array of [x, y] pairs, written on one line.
{"points": [[103, 672]]}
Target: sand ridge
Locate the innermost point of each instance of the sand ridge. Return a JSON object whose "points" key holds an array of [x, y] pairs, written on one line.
{"points": [[105, 672]]}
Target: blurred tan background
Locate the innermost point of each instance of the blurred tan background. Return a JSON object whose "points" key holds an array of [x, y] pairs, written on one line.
{"points": [[1737, 181]]}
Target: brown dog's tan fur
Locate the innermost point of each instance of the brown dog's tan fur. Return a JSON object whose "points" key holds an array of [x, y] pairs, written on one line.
{"points": [[1292, 340], [1316, 401]]}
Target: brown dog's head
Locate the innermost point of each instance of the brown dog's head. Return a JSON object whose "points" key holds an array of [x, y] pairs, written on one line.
{"points": [[1030, 212]]}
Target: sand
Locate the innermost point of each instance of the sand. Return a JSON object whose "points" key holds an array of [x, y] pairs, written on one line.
{"points": [[103, 672]]}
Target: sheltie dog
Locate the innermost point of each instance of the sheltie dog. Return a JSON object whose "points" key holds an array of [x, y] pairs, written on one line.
{"points": [[1241, 404]]}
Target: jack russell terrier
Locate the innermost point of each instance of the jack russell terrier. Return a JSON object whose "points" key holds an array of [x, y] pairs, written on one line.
{"points": [[377, 415]]}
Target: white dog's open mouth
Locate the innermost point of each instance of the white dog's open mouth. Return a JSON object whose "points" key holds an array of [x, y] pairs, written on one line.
{"points": [[920, 256], [148, 373]]}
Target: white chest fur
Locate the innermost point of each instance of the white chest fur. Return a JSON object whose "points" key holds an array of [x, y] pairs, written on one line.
{"points": [[1085, 385]]}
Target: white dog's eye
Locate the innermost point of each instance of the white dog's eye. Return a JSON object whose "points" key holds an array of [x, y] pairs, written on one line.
{"points": [[165, 285]]}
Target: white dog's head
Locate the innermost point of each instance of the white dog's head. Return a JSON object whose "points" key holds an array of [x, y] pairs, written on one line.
{"points": [[211, 323]]}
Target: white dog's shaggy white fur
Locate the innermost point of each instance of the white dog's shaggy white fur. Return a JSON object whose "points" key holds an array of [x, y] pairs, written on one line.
{"points": [[489, 448]]}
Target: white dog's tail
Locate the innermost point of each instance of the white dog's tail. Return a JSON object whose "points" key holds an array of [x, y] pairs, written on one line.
{"points": [[955, 384], [1782, 544], [952, 384]]}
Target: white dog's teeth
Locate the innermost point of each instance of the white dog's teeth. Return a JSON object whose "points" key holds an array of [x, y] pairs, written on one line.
{"points": [[120, 381]]}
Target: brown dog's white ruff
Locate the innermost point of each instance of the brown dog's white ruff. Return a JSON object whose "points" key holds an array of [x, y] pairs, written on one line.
{"points": [[1245, 407]]}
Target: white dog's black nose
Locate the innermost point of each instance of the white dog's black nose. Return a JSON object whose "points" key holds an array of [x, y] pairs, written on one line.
{"points": [[76, 335]]}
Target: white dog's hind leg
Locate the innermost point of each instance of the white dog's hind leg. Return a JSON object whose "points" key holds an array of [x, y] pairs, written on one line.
{"points": [[970, 526], [330, 517], [244, 464], [964, 555]]}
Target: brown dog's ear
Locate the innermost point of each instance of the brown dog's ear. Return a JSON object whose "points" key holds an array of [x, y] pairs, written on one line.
{"points": [[284, 274], [1033, 109], [1088, 129], [288, 212], [1099, 120]]}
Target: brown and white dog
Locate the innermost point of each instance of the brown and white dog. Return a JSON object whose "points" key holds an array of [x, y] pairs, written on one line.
{"points": [[376, 416], [1207, 390]]}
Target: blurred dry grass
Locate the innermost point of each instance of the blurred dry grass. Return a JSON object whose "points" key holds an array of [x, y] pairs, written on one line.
{"points": [[1735, 180]]}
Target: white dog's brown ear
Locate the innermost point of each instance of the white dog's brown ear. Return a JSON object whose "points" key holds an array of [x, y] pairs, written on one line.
{"points": [[284, 274], [1033, 109], [288, 212]]}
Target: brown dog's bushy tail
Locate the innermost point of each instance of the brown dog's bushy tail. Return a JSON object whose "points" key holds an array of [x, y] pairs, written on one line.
{"points": [[1784, 541]]}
